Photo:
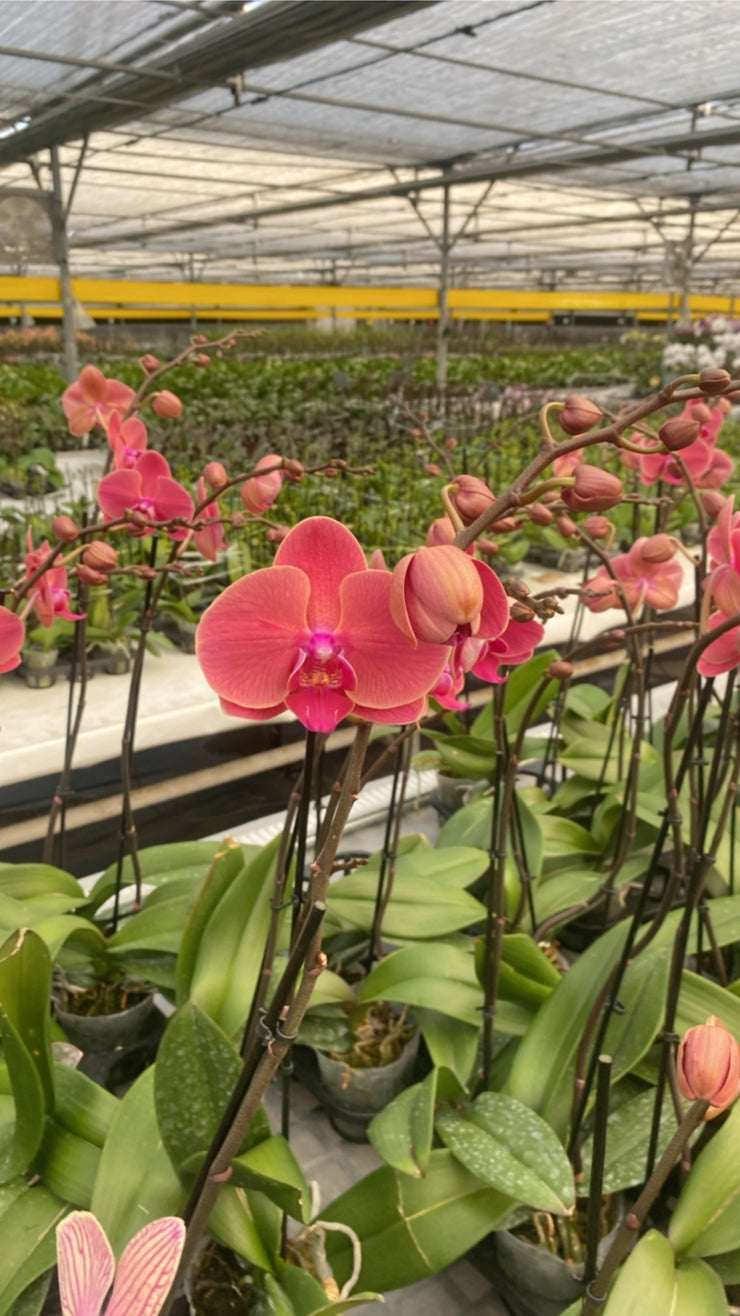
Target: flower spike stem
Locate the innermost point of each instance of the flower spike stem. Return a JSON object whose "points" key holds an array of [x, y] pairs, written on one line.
{"points": [[601, 1116], [74, 722], [634, 1219]]}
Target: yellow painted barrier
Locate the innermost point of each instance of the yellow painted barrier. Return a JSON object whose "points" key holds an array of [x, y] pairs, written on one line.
{"points": [[128, 299]]}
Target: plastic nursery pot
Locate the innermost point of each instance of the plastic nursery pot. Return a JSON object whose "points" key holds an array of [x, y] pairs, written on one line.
{"points": [[352, 1097], [452, 793], [532, 1280], [116, 659], [108, 1032], [186, 635], [38, 667]]}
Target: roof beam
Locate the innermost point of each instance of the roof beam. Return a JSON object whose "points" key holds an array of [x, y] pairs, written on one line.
{"points": [[259, 36]]}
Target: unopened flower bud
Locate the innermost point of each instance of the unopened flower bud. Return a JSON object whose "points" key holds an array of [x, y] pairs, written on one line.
{"points": [[64, 528], [238, 520], [294, 470], [712, 502], [146, 573], [471, 497], [560, 670], [441, 531], [520, 612], [149, 363], [517, 589], [199, 340], [724, 404], [504, 526], [578, 415], [138, 518], [540, 514], [567, 527], [432, 468], [598, 527], [100, 556], [91, 577], [451, 443], [215, 475], [434, 591], [277, 533], [202, 360], [551, 496], [678, 433], [487, 547], [331, 472], [259, 492], [708, 1065], [594, 490], [713, 379], [658, 548], [167, 404]]}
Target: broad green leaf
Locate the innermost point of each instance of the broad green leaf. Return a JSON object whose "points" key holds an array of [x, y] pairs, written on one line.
{"points": [[25, 988], [67, 1165], [411, 1228], [29, 1242], [453, 866], [306, 1296], [233, 1222], [727, 1266], [698, 1289], [331, 989], [701, 997], [20, 1137], [526, 976], [469, 826], [544, 1068], [561, 836], [418, 908], [31, 1301], [452, 1044], [195, 1074], [271, 1168], [69, 932], [437, 976], [586, 700], [227, 965], [706, 1219], [628, 1140], [158, 925], [159, 863], [465, 756], [136, 1181], [520, 687], [225, 865], [26, 881], [646, 1282], [83, 1107], [510, 1148], [402, 1133]]}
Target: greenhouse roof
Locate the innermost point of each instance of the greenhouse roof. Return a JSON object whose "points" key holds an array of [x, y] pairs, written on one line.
{"points": [[303, 140]]}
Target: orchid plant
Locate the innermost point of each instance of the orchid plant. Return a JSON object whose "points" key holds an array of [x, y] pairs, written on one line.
{"points": [[517, 1044]]}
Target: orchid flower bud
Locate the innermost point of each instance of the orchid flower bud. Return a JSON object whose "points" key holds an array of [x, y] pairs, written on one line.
{"points": [[440, 531], [594, 490], [712, 501], [540, 515], [167, 404], [560, 670], [64, 528], [294, 470], [431, 468], [678, 433], [708, 1065], [578, 415], [598, 527], [658, 548], [471, 497], [100, 556], [260, 491], [713, 379], [149, 363], [567, 527], [215, 475], [435, 590], [91, 577]]}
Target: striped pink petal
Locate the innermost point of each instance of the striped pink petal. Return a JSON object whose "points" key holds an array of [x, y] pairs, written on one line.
{"points": [[86, 1264], [147, 1268]]}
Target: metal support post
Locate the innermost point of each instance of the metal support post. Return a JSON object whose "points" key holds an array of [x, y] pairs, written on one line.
{"points": [[61, 254], [444, 274]]}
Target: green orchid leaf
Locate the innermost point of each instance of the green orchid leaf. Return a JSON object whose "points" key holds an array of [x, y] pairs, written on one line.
{"points": [[510, 1148], [452, 1044], [196, 1071], [67, 1165], [646, 1282], [82, 1106], [412, 1228], [465, 756], [630, 1126], [454, 866], [28, 1227], [136, 1180], [226, 863], [25, 988], [306, 1296], [238, 1222], [706, 1219], [419, 907], [158, 864], [403, 1132], [226, 969], [157, 926], [31, 1301], [271, 1168], [698, 1289], [21, 1134], [520, 687]]}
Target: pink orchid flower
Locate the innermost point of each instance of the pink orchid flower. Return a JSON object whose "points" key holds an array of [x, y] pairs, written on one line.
{"points": [[93, 399], [723, 654], [50, 595], [653, 583], [142, 1279], [128, 439], [12, 635], [313, 633], [259, 492], [149, 489], [210, 538], [486, 658], [722, 585]]}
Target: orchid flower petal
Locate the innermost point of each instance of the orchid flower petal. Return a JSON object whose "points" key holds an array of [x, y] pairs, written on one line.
{"points": [[150, 467], [119, 491], [86, 1264], [249, 639], [12, 635], [327, 552], [389, 670], [147, 1268], [319, 708]]}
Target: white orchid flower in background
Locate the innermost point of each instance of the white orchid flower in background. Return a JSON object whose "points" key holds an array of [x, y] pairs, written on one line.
{"points": [[144, 1275]]}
